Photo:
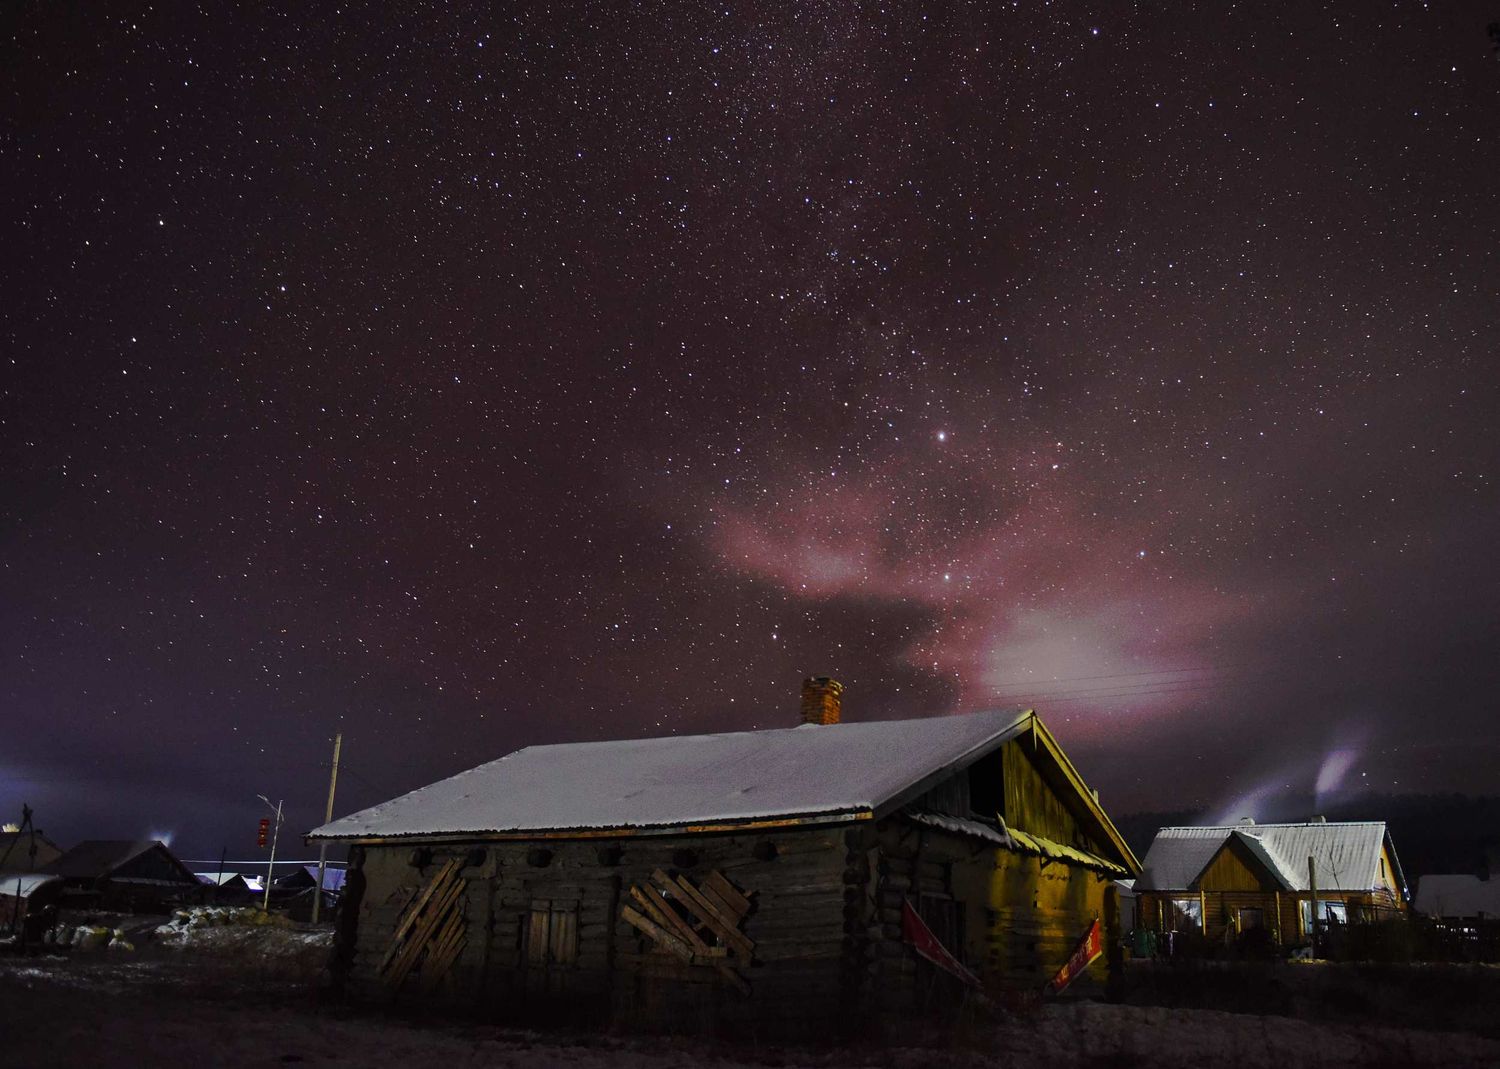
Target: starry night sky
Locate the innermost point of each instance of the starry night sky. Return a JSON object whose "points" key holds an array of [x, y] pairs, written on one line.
{"points": [[462, 378]]}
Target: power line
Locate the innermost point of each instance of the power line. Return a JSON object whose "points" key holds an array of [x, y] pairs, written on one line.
{"points": [[1123, 675], [1024, 695]]}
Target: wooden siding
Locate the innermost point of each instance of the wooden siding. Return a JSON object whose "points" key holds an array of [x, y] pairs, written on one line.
{"points": [[1034, 805], [1281, 911], [1022, 915], [1235, 868]]}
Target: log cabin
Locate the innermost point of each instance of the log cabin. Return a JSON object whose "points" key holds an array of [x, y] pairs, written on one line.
{"points": [[768, 880], [1259, 881]]}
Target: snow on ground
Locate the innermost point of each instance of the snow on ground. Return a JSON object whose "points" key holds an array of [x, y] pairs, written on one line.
{"points": [[246, 933], [144, 1011]]}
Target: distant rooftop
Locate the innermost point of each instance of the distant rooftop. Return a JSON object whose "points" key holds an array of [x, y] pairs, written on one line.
{"points": [[1346, 855], [1458, 896]]}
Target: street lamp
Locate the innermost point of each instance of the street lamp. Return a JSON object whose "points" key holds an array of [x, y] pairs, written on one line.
{"points": [[271, 866]]}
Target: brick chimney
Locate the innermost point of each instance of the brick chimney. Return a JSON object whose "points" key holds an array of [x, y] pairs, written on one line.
{"points": [[822, 699]]}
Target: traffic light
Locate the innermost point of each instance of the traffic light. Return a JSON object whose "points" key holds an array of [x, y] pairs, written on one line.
{"points": [[264, 835]]}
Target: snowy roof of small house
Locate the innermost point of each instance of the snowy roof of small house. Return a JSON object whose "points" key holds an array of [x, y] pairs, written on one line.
{"points": [[1347, 855], [687, 780], [307, 876], [217, 879], [1458, 896], [22, 884]]}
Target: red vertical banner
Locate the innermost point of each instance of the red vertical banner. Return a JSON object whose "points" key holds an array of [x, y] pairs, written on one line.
{"points": [[914, 930], [1089, 948]]}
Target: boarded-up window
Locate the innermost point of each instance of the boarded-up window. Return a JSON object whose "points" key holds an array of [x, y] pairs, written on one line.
{"points": [[550, 933]]}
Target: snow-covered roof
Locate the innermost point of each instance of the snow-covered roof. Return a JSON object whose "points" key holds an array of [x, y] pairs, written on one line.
{"points": [[1347, 855], [307, 876], [22, 884], [1012, 839], [1458, 896], [686, 780], [216, 879]]}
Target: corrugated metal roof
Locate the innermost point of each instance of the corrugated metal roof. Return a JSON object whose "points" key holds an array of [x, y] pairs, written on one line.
{"points": [[1347, 855], [688, 779], [1277, 866], [1458, 896]]}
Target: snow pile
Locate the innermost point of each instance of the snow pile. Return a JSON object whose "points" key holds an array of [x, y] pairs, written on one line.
{"points": [[248, 935], [197, 918]]}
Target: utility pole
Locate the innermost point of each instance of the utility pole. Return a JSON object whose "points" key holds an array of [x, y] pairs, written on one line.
{"points": [[1312, 882], [271, 866], [333, 782]]}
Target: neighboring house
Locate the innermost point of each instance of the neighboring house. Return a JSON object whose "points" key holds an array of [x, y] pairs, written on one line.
{"points": [[225, 888], [780, 879], [305, 878], [295, 890], [118, 874], [16, 851], [1229, 880], [1459, 899]]}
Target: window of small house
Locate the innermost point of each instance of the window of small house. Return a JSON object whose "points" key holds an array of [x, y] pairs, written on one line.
{"points": [[1328, 913], [1185, 914], [1251, 918], [549, 933]]}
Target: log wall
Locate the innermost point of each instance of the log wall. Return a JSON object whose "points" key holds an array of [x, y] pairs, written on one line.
{"points": [[1021, 915], [807, 951]]}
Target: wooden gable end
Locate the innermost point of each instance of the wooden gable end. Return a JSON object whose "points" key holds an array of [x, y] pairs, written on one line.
{"points": [[1234, 868], [1007, 783], [1034, 804]]}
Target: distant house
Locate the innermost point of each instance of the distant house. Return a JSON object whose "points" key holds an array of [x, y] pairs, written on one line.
{"points": [[756, 877], [1227, 881], [1459, 899], [295, 890], [119, 874], [305, 877], [226, 888], [16, 851]]}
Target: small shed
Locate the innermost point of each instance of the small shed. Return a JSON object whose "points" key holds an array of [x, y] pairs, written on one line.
{"points": [[122, 874], [27, 900], [784, 880], [1258, 881]]}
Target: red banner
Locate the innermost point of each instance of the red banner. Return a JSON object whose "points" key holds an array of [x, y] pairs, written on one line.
{"points": [[914, 930], [1090, 947]]}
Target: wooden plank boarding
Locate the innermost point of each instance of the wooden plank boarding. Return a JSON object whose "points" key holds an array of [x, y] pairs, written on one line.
{"points": [[430, 930], [668, 917], [720, 925], [716, 882], [413, 909], [713, 908], [663, 938]]}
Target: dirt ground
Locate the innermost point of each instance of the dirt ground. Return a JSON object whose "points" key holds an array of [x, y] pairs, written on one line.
{"points": [[166, 1007]]}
